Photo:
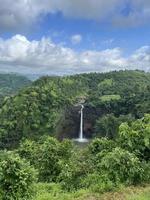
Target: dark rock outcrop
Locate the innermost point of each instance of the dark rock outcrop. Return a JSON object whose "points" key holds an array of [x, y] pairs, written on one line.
{"points": [[69, 124]]}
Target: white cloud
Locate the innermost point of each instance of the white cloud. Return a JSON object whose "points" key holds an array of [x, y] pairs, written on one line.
{"points": [[76, 39], [22, 13], [141, 58], [18, 54]]}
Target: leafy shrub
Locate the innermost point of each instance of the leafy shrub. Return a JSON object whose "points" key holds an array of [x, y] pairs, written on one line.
{"points": [[122, 166], [146, 168], [99, 145], [48, 159], [48, 156], [71, 176], [66, 149], [28, 150], [74, 171], [16, 177], [136, 138]]}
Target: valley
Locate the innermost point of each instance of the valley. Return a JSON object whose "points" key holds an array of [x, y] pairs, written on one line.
{"points": [[44, 126]]}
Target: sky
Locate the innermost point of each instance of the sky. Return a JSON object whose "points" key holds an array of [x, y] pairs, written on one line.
{"points": [[74, 36]]}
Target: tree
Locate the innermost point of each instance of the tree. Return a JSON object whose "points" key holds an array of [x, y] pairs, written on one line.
{"points": [[107, 126]]}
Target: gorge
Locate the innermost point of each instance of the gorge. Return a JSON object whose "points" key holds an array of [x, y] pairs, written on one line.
{"points": [[49, 106]]}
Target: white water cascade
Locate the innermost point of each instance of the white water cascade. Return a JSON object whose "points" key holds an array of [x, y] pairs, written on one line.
{"points": [[81, 138], [81, 123]]}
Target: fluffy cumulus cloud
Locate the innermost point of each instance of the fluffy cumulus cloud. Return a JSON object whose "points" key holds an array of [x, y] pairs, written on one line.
{"points": [[18, 54], [76, 39], [22, 13]]}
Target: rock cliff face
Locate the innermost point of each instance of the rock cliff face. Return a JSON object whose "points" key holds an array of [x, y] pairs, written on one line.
{"points": [[69, 124]]}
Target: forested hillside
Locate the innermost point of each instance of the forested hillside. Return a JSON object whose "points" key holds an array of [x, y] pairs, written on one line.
{"points": [[49, 106], [34, 165], [10, 84]]}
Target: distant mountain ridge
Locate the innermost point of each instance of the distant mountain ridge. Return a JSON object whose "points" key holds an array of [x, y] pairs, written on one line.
{"points": [[12, 83]]}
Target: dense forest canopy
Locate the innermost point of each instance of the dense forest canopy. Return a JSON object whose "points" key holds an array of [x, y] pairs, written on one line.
{"points": [[40, 109]]}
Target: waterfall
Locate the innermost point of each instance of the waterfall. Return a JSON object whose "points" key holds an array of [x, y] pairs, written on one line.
{"points": [[81, 138], [81, 123]]}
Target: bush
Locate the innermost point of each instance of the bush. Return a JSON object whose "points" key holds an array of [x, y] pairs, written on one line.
{"points": [[48, 156], [71, 176], [136, 138], [99, 145], [28, 149], [74, 171], [48, 160], [66, 149], [122, 166], [16, 177], [146, 167]]}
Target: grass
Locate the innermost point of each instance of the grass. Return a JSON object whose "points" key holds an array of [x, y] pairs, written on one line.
{"points": [[130, 193], [54, 192], [143, 195]]}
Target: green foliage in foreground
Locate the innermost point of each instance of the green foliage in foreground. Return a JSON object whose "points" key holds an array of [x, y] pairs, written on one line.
{"points": [[47, 191], [103, 165], [112, 164], [136, 138], [48, 155], [16, 177], [54, 192], [122, 167]]}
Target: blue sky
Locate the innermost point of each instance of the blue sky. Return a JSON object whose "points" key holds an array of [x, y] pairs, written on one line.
{"points": [[73, 36], [96, 35]]}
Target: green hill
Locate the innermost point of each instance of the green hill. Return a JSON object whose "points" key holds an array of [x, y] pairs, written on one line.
{"points": [[49, 105], [11, 83]]}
